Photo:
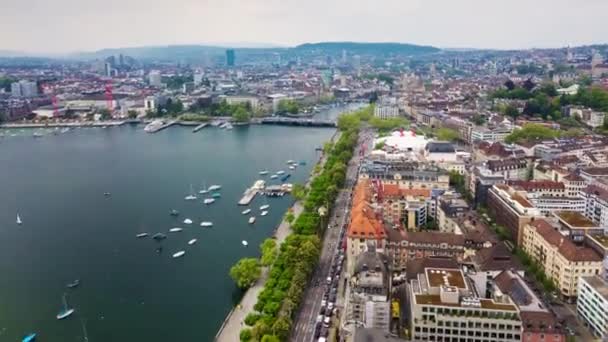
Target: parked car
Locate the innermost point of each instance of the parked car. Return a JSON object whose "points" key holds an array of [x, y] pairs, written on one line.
{"points": [[328, 280], [326, 321]]}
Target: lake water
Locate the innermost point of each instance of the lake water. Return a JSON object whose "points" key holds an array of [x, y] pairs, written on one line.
{"points": [[128, 291]]}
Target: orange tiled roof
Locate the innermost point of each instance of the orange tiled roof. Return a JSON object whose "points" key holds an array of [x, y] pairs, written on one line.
{"points": [[393, 190], [363, 221]]}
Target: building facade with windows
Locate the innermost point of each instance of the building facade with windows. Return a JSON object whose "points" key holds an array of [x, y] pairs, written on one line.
{"points": [[592, 305], [563, 261]]}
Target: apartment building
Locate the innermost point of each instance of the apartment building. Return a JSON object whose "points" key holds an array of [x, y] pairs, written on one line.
{"points": [[592, 305], [596, 204], [511, 209], [406, 174], [401, 246], [448, 211], [539, 324], [403, 207], [563, 260], [445, 306], [368, 293], [482, 133]]}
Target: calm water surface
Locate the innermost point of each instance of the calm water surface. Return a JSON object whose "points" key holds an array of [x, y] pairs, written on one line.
{"points": [[128, 291]]}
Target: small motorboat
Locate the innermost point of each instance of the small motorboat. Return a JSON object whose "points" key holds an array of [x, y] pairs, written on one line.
{"points": [[264, 213], [216, 195], [202, 192], [159, 236], [265, 206], [19, 222], [190, 198], [290, 162], [274, 177], [73, 284], [66, 311], [174, 212], [192, 242], [251, 219], [206, 224], [214, 188], [246, 211], [208, 200], [187, 221], [263, 172], [280, 172], [179, 254], [176, 230], [292, 167], [141, 235], [244, 242], [29, 338]]}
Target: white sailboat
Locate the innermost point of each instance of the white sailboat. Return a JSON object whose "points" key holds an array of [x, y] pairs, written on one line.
{"points": [[208, 200], [264, 207], [179, 254], [206, 224], [244, 242], [19, 222], [203, 190], [215, 187], [192, 242], [190, 197], [187, 221], [175, 230], [263, 172], [264, 213], [246, 211], [251, 219]]}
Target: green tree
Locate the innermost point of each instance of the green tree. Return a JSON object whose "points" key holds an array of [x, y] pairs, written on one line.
{"points": [[241, 115], [252, 318], [289, 217], [245, 335], [281, 328], [246, 272], [270, 338], [288, 106], [132, 114], [447, 134], [105, 114], [298, 191], [478, 120], [379, 145], [511, 111], [269, 251], [531, 132]]}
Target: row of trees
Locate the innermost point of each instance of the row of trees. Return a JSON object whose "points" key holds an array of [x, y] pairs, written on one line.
{"points": [[293, 262], [534, 132]]}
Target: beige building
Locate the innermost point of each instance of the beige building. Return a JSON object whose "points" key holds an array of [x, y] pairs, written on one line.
{"points": [[563, 260], [445, 306]]}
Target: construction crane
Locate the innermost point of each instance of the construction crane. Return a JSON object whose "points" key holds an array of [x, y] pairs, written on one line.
{"points": [[109, 96]]}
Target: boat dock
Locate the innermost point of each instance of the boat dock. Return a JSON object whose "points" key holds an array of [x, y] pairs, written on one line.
{"points": [[199, 127], [160, 127], [251, 192]]}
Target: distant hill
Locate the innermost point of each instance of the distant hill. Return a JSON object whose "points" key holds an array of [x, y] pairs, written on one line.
{"points": [[368, 48]]}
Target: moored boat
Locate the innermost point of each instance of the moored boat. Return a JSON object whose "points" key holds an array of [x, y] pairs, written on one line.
{"points": [[252, 220], [192, 242], [176, 230], [264, 213], [179, 254], [246, 211], [206, 224], [29, 338], [208, 200], [141, 235]]}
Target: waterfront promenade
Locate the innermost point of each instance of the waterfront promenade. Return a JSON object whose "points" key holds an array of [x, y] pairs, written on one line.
{"points": [[235, 321], [230, 330]]}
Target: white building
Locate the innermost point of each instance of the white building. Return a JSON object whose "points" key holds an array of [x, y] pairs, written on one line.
{"points": [[488, 134], [383, 111], [155, 79], [251, 100], [592, 305], [198, 78], [596, 119], [404, 142], [596, 204]]}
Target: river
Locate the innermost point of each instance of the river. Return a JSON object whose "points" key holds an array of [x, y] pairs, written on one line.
{"points": [[70, 230]]}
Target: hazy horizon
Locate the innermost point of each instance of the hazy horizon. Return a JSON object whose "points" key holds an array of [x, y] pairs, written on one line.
{"points": [[67, 26]]}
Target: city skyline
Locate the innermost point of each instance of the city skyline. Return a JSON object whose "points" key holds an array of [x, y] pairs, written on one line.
{"points": [[65, 26]]}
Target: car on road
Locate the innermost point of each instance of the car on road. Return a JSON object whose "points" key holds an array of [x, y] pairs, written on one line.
{"points": [[330, 306], [328, 280], [323, 302], [326, 321], [317, 332], [324, 332]]}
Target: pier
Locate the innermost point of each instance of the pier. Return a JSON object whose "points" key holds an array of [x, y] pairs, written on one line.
{"points": [[158, 128], [199, 127], [251, 192], [298, 122]]}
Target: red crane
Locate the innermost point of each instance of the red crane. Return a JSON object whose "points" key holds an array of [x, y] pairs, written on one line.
{"points": [[49, 90], [109, 97]]}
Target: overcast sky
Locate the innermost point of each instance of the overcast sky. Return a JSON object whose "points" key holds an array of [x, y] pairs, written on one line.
{"points": [[74, 25]]}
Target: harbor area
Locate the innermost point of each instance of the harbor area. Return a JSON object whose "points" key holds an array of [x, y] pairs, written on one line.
{"points": [[259, 187]]}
